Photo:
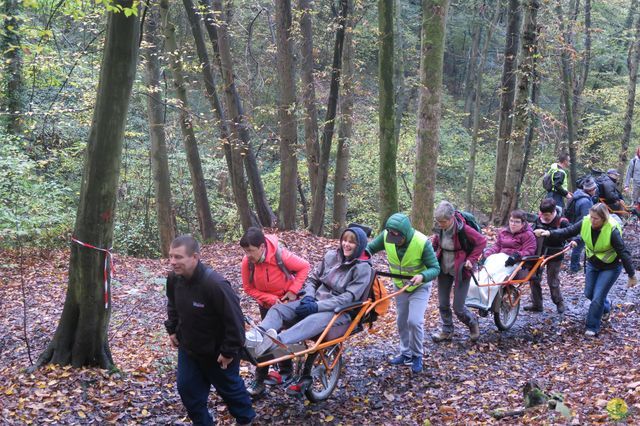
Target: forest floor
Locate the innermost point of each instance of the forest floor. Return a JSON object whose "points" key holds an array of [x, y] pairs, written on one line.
{"points": [[463, 383]]}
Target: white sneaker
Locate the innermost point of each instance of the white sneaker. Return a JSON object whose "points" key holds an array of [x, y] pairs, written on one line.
{"points": [[267, 343], [252, 338], [590, 333]]}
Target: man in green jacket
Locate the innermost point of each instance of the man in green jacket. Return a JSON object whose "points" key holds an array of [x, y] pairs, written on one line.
{"points": [[409, 253]]}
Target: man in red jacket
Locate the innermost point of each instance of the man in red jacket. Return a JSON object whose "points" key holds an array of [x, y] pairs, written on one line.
{"points": [[270, 274]]}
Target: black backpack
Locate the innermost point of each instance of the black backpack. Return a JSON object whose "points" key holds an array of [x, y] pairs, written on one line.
{"points": [[547, 181], [570, 211]]}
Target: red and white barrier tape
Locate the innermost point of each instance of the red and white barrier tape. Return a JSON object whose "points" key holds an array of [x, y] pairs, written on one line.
{"points": [[108, 267]]}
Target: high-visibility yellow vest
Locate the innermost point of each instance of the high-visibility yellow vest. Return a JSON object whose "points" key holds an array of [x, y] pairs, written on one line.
{"points": [[603, 249], [411, 263]]}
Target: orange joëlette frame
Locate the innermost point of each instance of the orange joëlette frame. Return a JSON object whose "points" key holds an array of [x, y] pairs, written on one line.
{"points": [[365, 307], [541, 261]]}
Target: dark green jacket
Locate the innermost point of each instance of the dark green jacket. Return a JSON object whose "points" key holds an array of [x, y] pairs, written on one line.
{"points": [[401, 223]]}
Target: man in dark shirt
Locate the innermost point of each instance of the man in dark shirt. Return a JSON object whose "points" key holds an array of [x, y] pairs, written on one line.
{"points": [[549, 218], [205, 324]]}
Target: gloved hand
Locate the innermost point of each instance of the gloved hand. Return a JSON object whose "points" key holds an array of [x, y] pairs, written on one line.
{"points": [[305, 309], [513, 259], [307, 299], [632, 281]]}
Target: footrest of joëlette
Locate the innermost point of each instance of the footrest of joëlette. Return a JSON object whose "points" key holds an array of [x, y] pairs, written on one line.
{"points": [[280, 352]]}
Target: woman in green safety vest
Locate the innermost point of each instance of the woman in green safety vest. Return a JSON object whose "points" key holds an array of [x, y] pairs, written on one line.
{"points": [[605, 257], [409, 253]]}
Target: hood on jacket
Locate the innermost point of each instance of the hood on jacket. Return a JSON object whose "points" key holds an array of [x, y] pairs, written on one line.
{"points": [[400, 222], [361, 239]]}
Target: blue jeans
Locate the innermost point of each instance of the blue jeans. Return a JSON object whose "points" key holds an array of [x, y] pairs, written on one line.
{"points": [[576, 254], [194, 382], [598, 282]]}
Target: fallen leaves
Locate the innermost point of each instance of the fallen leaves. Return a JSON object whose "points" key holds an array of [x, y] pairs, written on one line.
{"points": [[462, 382]]}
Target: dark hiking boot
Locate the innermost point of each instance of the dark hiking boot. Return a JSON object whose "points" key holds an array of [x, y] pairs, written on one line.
{"points": [[442, 336], [561, 308], [474, 331], [533, 308]]}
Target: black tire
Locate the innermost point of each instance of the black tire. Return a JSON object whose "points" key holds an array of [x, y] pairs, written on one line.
{"points": [[323, 381], [504, 313]]}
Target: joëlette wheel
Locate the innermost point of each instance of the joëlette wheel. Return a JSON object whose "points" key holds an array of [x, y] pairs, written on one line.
{"points": [[506, 311], [325, 367]]}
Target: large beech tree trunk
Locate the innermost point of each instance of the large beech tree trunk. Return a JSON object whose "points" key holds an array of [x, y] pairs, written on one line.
{"points": [[287, 115], [203, 209], [216, 25], [13, 95], [516, 164], [387, 176], [233, 157], [512, 42], [434, 17], [81, 336], [319, 201], [309, 93], [155, 114], [345, 132]]}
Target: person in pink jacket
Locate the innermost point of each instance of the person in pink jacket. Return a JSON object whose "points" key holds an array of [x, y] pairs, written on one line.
{"points": [[271, 274], [516, 240]]}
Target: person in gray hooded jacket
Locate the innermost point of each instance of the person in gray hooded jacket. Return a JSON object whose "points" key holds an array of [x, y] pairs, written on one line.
{"points": [[340, 279]]}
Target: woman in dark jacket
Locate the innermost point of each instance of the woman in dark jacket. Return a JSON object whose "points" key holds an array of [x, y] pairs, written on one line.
{"points": [[606, 255], [458, 247]]}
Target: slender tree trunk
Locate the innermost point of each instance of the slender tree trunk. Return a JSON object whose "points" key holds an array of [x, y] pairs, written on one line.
{"points": [[401, 95], [10, 46], [476, 106], [472, 64], [345, 132], [319, 202], [303, 202], [632, 62], [236, 150], [287, 115], [205, 221], [232, 156], [508, 85], [516, 165], [387, 176], [585, 66], [81, 336], [533, 122], [434, 17], [217, 26], [309, 93], [155, 114], [628, 24], [567, 94]]}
